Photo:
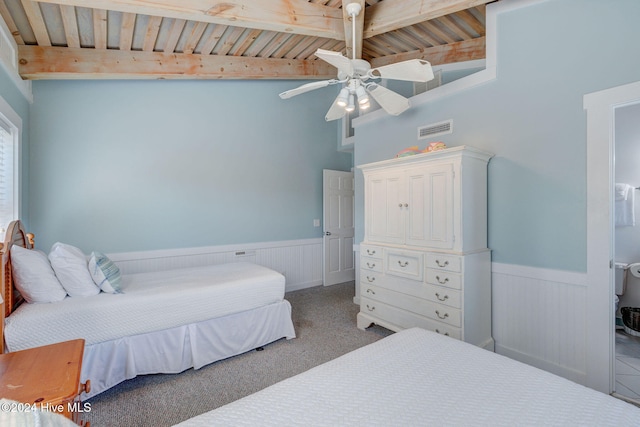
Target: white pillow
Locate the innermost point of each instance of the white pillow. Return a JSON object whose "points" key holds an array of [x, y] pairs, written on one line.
{"points": [[34, 276], [71, 268], [104, 273]]}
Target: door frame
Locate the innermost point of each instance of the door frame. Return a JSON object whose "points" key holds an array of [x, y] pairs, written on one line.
{"points": [[600, 337]]}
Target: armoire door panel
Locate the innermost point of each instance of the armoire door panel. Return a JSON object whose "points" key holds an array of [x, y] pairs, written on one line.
{"points": [[439, 211], [416, 232], [386, 207]]}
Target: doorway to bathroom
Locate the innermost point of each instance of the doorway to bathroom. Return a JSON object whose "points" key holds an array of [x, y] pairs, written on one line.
{"points": [[600, 107], [626, 236]]}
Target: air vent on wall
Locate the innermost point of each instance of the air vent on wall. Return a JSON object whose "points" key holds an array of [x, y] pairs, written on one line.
{"points": [[435, 129]]}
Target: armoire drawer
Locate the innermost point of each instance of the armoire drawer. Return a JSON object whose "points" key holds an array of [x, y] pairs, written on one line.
{"points": [[443, 278], [368, 277], [407, 264], [371, 251], [404, 319], [439, 312], [371, 264], [445, 314], [442, 295], [444, 262], [392, 283]]}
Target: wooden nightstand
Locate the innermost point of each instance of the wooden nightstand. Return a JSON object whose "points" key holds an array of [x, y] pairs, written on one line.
{"points": [[46, 377]]}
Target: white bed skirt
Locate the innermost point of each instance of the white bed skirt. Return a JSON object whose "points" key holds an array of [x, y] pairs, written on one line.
{"points": [[177, 349]]}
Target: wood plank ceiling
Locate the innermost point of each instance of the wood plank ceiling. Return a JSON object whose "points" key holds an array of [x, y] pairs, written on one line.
{"points": [[214, 39]]}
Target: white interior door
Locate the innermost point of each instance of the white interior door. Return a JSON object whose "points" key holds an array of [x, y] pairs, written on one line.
{"points": [[337, 191]]}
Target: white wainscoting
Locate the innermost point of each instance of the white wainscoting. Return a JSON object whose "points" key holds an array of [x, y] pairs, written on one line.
{"points": [[540, 318], [299, 260]]}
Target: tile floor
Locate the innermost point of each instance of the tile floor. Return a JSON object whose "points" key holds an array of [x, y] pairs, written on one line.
{"points": [[627, 365]]}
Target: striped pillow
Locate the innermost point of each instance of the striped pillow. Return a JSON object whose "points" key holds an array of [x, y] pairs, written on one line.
{"points": [[105, 273]]}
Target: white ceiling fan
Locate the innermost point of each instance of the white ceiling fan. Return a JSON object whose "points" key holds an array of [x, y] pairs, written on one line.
{"points": [[356, 75]]}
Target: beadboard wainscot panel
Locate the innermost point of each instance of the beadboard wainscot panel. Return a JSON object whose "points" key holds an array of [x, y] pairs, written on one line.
{"points": [[300, 261], [539, 318]]}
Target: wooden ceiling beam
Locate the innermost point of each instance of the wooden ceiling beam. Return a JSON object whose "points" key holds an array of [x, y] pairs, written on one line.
{"points": [[70, 24], [37, 63], [34, 15], [468, 50], [390, 15], [100, 28], [287, 16]]}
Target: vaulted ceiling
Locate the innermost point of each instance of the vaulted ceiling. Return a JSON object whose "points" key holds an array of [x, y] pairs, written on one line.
{"points": [[214, 39]]}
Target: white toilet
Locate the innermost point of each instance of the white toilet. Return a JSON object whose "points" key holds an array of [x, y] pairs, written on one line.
{"points": [[620, 278]]}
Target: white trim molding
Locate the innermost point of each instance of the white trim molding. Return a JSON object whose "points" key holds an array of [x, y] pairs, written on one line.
{"points": [[300, 261]]}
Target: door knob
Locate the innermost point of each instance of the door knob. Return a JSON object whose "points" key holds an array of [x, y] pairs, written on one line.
{"points": [[327, 233]]}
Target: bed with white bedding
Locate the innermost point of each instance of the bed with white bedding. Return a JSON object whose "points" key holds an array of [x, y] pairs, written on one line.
{"points": [[417, 377], [158, 322]]}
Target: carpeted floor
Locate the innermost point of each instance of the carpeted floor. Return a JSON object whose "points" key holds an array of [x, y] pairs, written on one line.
{"points": [[325, 322]]}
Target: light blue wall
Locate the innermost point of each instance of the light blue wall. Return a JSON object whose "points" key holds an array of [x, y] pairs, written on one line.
{"points": [[17, 101], [142, 165], [532, 118]]}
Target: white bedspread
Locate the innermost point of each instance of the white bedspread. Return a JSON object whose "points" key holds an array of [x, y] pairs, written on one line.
{"points": [[151, 302], [416, 377]]}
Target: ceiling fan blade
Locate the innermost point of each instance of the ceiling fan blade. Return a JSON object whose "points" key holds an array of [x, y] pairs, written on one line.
{"points": [[413, 70], [335, 112], [390, 101], [306, 88], [342, 63]]}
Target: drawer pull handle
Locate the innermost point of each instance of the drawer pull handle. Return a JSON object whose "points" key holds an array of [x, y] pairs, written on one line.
{"points": [[438, 331], [371, 279], [371, 308], [371, 252], [442, 282], [442, 264], [446, 297], [442, 317], [403, 264], [369, 291], [371, 265]]}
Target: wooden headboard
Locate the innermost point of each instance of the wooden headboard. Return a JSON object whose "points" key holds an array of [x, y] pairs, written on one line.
{"points": [[15, 235]]}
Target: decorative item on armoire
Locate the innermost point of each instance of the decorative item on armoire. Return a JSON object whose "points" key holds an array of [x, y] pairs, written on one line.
{"points": [[413, 150]]}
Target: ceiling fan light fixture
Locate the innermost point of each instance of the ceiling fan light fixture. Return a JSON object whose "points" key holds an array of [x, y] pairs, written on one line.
{"points": [[354, 74], [343, 97], [351, 106], [363, 98]]}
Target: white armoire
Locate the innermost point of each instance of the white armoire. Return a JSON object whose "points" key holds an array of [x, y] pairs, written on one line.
{"points": [[424, 260]]}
